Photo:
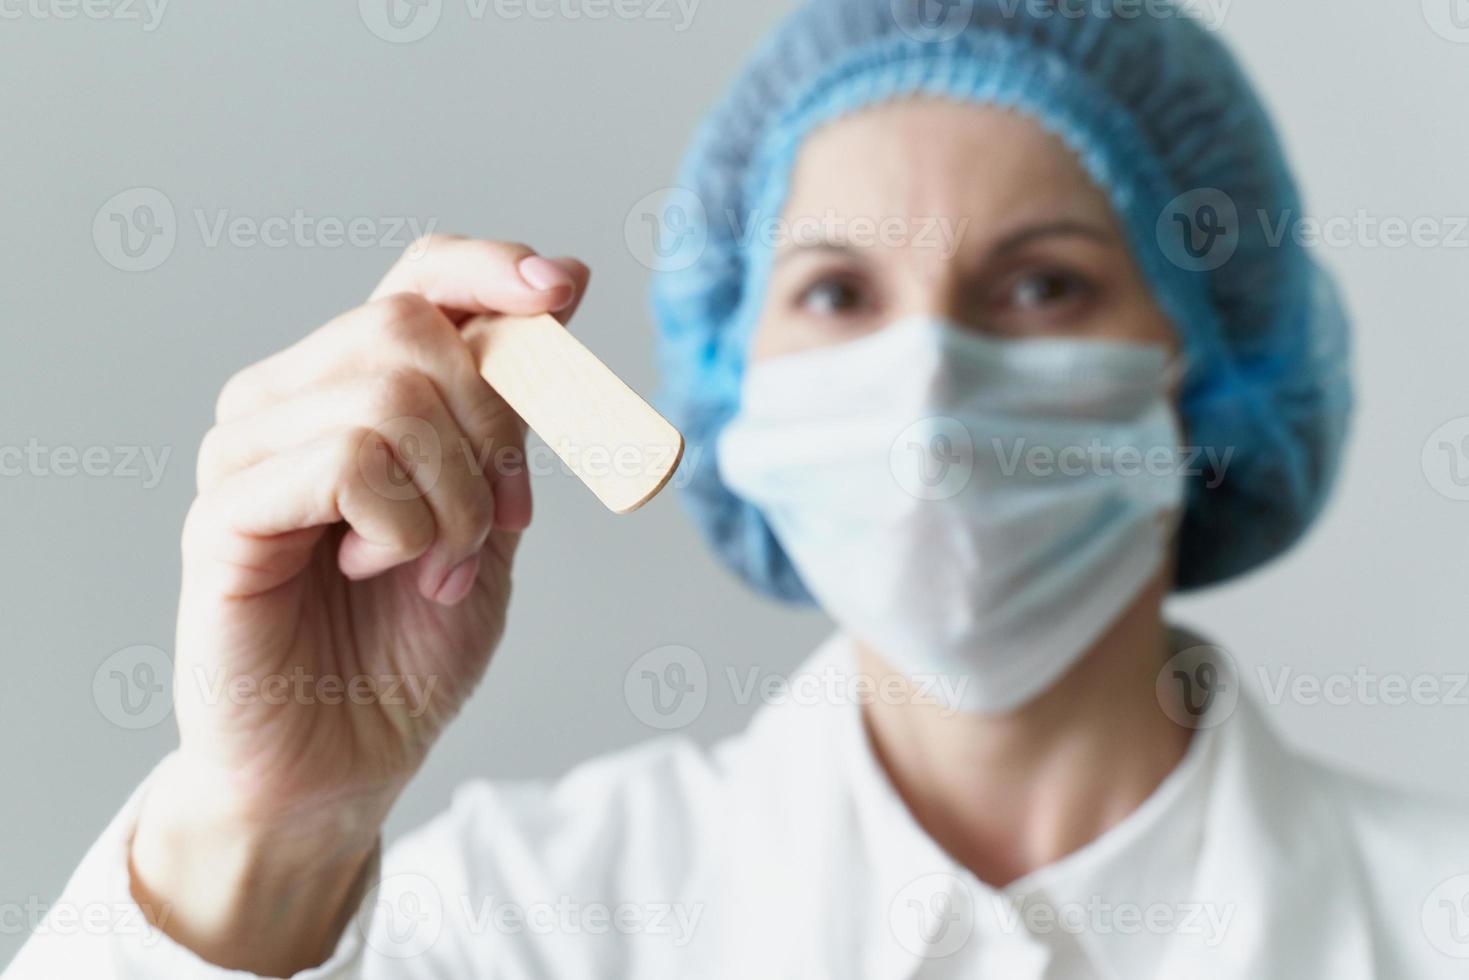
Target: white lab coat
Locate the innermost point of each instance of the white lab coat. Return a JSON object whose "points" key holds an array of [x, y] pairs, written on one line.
{"points": [[785, 853]]}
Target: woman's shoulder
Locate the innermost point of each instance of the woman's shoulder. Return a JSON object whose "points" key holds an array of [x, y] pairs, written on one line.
{"points": [[1382, 811], [1411, 851], [1310, 798]]}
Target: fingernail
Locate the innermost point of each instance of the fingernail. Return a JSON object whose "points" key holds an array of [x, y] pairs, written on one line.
{"points": [[458, 582], [543, 274]]}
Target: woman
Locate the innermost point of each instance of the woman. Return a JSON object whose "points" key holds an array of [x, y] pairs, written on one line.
{"points": [[1015, 374]]}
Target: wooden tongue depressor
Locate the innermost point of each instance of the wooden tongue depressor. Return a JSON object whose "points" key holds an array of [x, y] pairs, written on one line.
{"points": [[615, 442]]}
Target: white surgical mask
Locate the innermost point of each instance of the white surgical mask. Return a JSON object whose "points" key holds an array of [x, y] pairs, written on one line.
{"points": [[977, 511]]}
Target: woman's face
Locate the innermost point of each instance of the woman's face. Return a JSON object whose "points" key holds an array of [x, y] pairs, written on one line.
{"points": [[971, 213]]}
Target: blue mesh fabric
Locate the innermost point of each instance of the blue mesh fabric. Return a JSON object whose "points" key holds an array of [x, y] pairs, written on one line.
{"points": [[1163, 120]]}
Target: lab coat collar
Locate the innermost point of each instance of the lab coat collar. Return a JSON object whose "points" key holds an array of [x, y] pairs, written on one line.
{"points": [[1241, 860], [1279, 854]]}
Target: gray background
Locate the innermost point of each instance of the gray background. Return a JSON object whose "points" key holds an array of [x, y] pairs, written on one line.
{"points": [[550, 130]]}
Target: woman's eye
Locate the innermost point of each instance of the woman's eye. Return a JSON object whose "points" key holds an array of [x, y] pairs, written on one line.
{"points": [[831, 297], [1041, 290]]}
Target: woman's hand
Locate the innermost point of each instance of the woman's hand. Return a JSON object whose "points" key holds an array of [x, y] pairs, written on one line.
{"points": [[346, 569]]}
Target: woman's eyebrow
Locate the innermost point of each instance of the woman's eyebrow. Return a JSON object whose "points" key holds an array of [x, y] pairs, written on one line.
{"points": [[1053, 229], [1012, 241], [788, 252]]}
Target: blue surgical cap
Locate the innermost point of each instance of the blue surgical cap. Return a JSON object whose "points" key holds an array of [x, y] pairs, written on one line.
{"points": [[1165, 123]]}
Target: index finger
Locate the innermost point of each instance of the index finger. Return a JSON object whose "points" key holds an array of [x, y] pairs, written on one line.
{"points": [[465, 276]]}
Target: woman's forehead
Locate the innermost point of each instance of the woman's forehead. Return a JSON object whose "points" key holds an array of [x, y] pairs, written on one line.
{"points": [[932, 158]]}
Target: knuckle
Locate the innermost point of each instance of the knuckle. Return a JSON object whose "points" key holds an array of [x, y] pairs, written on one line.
{"points": [[402, 316], [423, 243], [415, 528], [361, 449], [492, 420], [209, 455], [232, 394], [198, 524], [478, 510], [401, 393], [511, 249], [506, 252], [463, 508]]}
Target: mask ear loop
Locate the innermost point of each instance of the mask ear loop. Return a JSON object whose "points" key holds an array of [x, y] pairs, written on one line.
{"points": [[1171, 380], [1174, 373]]}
